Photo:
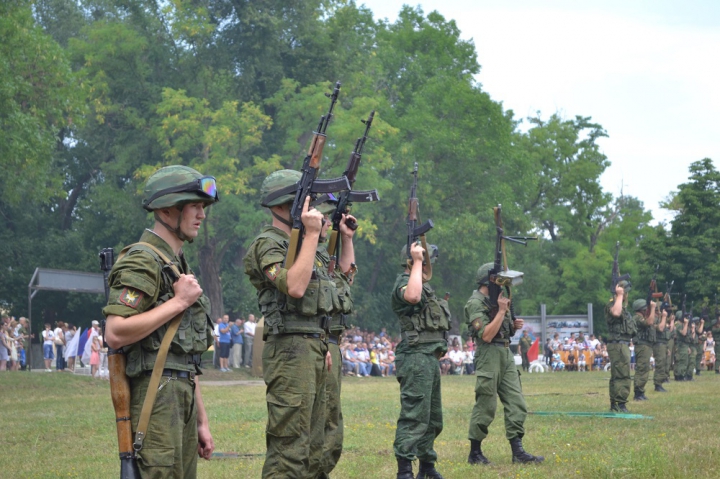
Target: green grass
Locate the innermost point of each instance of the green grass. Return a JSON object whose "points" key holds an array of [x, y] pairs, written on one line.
{"points": [[59, 425]]}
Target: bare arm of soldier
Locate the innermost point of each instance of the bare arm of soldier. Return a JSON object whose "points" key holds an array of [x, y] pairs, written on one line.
{"points": [[651, 317], [663, 320], [491, 329], [299, 274], [616, 309], [413, 291], [347, 254], [121, 331], [206, 445]]}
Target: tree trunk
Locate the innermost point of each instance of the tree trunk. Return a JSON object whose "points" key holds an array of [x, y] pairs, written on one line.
{"points": [[210, 271]]}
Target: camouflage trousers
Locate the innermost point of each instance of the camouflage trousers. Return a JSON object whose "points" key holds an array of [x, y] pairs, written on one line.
{"points": [[671, 356], [643, 352], [682, 359], [661, 359], [420, 420], [334, 420], [170, 446], [619, 355], [693, 359], [295, 374], [496, 376], [698, 355]]}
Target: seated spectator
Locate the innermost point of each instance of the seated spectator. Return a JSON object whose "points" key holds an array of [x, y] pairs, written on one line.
{"points": [[572, 360], [457, 358], [445, 364], [557, 362], [582, 363], [351, 365], [363, 357], [375, 362], [390, 361], [469, 362]]}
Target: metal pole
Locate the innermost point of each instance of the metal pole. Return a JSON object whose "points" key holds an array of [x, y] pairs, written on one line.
{"points": [[590, 318]]}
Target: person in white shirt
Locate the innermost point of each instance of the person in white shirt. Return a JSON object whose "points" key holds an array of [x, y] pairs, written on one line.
{"points": [[48, 339], [59, 346], [457, 357], [248, 338]]}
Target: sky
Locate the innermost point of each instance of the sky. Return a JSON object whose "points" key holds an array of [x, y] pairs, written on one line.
{"points": [[648, 71]]}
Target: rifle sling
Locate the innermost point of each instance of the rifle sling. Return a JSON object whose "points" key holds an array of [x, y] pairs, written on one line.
{"points": [[152, 389]]}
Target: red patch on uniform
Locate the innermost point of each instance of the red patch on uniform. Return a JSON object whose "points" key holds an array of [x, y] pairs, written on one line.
{"points": [[131, 297], [272, 271]]}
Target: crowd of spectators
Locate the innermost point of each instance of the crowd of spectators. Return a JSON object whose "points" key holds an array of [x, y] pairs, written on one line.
{"points": [[575, 353], [234, 340]]}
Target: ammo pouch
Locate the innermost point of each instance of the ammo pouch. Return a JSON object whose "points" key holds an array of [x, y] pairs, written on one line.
{"points": [[434, 318]]}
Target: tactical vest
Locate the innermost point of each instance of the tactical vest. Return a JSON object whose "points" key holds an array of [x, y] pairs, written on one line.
{"points": [[314, 312], [687, 339], [664, 336], [620, 328], [194, 336], [434, 316], [645, 334]]}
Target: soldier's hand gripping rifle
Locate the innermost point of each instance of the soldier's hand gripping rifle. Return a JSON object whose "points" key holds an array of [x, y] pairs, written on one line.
{"points": [[417, 233], [119, 387], [652, 290], [309, 185], [500, 276], [667, 300], [616, 278], [346, 198]]}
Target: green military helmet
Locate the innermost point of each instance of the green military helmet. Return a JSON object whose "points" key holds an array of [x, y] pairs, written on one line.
{"points": [[482, 276], [434, 253], [279, 188], [625, 285], [325, 204], [639, 304], [176, 185]]}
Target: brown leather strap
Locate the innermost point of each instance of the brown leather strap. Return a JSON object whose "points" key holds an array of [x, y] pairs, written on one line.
{"points": [[152, 389]]}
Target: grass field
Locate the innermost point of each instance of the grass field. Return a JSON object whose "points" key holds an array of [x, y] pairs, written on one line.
{"points": [[59, 425]]}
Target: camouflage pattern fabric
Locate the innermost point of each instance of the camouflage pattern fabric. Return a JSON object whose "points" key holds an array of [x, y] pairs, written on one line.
{"points": [[496, 376], [643, 352], [619, 355], [660, 353], [332, 450], [170, 447]]}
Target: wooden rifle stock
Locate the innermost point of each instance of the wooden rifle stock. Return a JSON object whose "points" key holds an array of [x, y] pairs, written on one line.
{"points": [[293, 248], [120, 393], [332, 248]]}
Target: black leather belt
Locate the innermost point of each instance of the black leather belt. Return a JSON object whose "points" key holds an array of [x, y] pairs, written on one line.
{"points": [[321, 336], [501, 344], [662, 341], [174, 373], [334, 338]]}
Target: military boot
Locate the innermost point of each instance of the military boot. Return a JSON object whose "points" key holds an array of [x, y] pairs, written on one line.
{"points": [[404, 469], [639, 397], [520, 455], [660, 389], [476, 456], [697, 373], [622, 408], [614, 406], [688, 377], [427, 470], [679, 378]]}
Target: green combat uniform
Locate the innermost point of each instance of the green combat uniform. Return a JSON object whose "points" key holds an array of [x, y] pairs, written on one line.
{"points": [[660, 353], [296, 345], [682, 350], [138, 283], [423, 328], [643, 349], [694, 345], [338, 324], [525, 345], [672, 340], [621, 329], [496, 376]]}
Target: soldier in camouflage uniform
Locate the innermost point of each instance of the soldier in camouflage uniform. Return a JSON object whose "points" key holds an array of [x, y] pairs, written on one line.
{"points": [[343, 280], [143, 299], [424, 322], [525, 345], [621, 327], [645, 321], [683, 338], [660, 353], [697, 346], [693, 339], [672, 340], [298, 305], [497, 375]]}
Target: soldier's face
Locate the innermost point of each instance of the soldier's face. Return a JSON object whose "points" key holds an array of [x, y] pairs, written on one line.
{"points": [[192, 216]]}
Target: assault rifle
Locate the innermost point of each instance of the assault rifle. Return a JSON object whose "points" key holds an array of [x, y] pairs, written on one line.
{"points": [[667, 300], [500, 276], [616, 278], [652, 290], [346, 198], [119, 387], [417, 233], [309, 185]]}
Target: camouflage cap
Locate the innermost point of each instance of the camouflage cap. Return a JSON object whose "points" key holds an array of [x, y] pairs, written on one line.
{"points": [[279, 187], [434, 253], [639, 304], [176, 185], [481, 277]]}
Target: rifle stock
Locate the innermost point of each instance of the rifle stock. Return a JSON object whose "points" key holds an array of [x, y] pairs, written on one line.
{"points": [[119, 389]]}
